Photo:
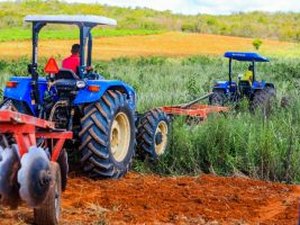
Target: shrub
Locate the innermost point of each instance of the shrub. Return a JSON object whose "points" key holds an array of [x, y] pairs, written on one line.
{"points": [[257, 43]]}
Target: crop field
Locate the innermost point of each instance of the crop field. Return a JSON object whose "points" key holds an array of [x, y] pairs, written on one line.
{"points": [[237, 144], [19, 34], [235, 168], [164, 44]]}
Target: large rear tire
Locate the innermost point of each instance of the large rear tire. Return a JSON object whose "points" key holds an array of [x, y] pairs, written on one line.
{"points": [[263, 100], [153, 134], [108, 136], [49, 212]]}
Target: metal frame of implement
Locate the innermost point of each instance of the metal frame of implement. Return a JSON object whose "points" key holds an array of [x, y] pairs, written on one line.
{"points": [[26, 129], [193, 109]]}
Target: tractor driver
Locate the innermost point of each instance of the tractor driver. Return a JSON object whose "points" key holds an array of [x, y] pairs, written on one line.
{"points": [[248, 75], [73, 61]]}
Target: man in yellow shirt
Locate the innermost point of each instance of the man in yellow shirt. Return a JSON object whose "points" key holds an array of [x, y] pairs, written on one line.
{"points": [[248, 75]]}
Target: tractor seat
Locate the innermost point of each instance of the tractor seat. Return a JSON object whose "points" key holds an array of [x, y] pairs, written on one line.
{"points": [[66, 74], [244, 87], [244, 83]]}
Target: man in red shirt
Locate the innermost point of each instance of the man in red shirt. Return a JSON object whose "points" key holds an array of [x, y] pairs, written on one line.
{"points": [[72, 62]]}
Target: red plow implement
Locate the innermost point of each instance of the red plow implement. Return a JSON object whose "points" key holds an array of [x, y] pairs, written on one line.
{"points": [[26, 129], [31, 155], [194, 110]]}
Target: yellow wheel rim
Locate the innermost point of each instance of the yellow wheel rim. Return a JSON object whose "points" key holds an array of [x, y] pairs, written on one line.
{"points": [[163, 129], [120, 136]]}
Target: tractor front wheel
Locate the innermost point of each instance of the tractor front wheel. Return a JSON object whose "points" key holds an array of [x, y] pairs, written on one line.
{"points": [[217, 98], [108, 136], [153, 134]]}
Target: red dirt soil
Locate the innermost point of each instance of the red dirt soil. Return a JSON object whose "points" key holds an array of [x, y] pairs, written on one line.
{"points": [[150, 199]]}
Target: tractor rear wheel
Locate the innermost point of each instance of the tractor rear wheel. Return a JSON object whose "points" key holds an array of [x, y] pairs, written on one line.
{"points": [[153, 134], [217, 98], [108, 136], [49, 212], [263, 99]]}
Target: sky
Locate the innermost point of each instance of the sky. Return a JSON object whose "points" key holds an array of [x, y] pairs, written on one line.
{"points": [[192, 7], [205, 6]]}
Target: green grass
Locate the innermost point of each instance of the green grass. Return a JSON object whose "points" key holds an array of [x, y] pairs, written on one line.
{"points": [[19, 34], [293, 51], [235, 143]]}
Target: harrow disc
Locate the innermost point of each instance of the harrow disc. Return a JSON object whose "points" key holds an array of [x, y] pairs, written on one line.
{"points": [[1, 152], [9, 166], [34, 177]]}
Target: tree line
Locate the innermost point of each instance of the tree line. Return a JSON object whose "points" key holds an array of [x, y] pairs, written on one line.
{"points": [[278, 26]]}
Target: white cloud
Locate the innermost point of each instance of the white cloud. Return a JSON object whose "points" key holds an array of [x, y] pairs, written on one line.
{"points": [[204, 6]]}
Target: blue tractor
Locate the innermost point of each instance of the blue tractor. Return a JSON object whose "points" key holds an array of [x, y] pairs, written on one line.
{"points": [[259, 93], [97, 115], [100, 113]]}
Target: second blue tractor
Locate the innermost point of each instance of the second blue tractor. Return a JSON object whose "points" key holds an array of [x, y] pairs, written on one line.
{"points": [[259, 93]]}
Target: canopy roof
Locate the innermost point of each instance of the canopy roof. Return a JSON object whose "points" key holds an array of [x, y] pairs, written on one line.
{"points": [[87, 20], [246, 56]]}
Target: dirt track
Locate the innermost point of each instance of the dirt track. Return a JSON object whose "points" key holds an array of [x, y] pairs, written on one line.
{"points": [[139, 199], [166, 44]]}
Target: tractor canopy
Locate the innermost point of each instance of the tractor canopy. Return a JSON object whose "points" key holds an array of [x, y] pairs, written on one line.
{"points": [[85, 24], [245, 56], [80, 20]]}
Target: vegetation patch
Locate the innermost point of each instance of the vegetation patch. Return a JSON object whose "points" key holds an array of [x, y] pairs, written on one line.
{"points": [[236, 143]]}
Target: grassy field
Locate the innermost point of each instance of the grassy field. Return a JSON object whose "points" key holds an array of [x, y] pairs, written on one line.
{"points": [[234, 143], [21, 34], [175, 44]]}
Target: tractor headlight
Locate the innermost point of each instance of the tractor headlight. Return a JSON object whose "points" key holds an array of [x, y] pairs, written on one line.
{"points": [[80, 84]]}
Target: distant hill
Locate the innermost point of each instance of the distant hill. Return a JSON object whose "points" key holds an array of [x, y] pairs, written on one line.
{"points": [[279, 26]]}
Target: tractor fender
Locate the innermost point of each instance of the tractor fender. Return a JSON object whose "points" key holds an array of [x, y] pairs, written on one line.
{"points": [[22, 92], [85, 96], [225, 86], [220, 89], [270, 85], [259, 85], [221, 85]]}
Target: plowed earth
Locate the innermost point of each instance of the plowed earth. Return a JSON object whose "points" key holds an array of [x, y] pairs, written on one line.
{"points": [[166, 44], [149, 199]]}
